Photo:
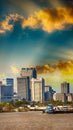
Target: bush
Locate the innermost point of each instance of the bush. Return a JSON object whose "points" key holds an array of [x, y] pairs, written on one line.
{"points": [[8, 108], [1, 108]]}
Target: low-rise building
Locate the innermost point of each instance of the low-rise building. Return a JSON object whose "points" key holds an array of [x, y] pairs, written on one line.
{"points": [[59, 97], [48, 94], [69, 97]]}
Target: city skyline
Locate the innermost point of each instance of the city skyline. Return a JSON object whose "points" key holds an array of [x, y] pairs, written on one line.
{"points": [[31, 73], [37, 33]]}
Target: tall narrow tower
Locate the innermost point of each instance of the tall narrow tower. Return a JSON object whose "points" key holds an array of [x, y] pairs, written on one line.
{"points": [[65, 88]]}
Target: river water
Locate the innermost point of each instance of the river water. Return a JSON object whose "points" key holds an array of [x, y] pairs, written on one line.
{"points": [[35, 121]]}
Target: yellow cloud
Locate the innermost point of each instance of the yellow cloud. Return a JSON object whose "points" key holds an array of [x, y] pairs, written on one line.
{"points": [[45, 69], [5, 25], [2, 76], [62, 71], [2, 31], [66, 68], [30, 22], [14, 69], [48, 19]]}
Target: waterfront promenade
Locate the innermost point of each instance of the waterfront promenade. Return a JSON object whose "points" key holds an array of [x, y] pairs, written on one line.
{"points": [[35, 120]]}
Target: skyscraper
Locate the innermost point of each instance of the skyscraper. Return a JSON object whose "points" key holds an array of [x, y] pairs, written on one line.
{"points": [[37, 89], [28, 72], [65, 88], [23, 87]]}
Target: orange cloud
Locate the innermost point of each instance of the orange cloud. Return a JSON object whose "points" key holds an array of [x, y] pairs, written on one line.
{"points": [[5, 25], [65, 68], [30, 22], [48, 19], [45, 69], [2, 31]]}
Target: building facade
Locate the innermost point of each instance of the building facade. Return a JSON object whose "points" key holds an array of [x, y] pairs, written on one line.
{"points": [[48, 94], [28, 72], [37, 90], [59, 97], [10, 81], [0, 82], [69, 97], [23, 88], [65, 88], [6, 93]]}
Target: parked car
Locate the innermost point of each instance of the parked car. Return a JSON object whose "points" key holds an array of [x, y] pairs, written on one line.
{"points": [[65, 108]]}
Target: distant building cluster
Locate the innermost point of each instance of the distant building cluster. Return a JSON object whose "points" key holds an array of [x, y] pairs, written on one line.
{"points": [[65, 94], [30, 88]]}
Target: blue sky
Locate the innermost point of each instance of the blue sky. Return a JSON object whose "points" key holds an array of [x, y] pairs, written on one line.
{"points": [[35, 33]]}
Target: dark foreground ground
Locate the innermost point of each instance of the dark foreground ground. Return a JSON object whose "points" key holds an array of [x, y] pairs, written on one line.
{"points": [[35, 121]]}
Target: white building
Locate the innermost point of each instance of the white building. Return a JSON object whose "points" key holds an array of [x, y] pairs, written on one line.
{"points": [[37, 89]]}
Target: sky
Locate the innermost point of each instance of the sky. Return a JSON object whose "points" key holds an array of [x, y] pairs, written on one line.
{"points": [[37, 33]]}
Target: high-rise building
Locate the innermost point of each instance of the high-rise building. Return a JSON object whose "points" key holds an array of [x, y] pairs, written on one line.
{"points": [[6, 93], [10, 81], [28, 72], [37, 90], [65, 88], [23, 87]]}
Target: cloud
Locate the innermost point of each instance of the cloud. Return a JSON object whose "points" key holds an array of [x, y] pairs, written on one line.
{"points": [[48, 19], [31, 22], [45, 69], [66, 68], [8, 23], [14, 69], [2, 76], [62, 71], [2, 31]]}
